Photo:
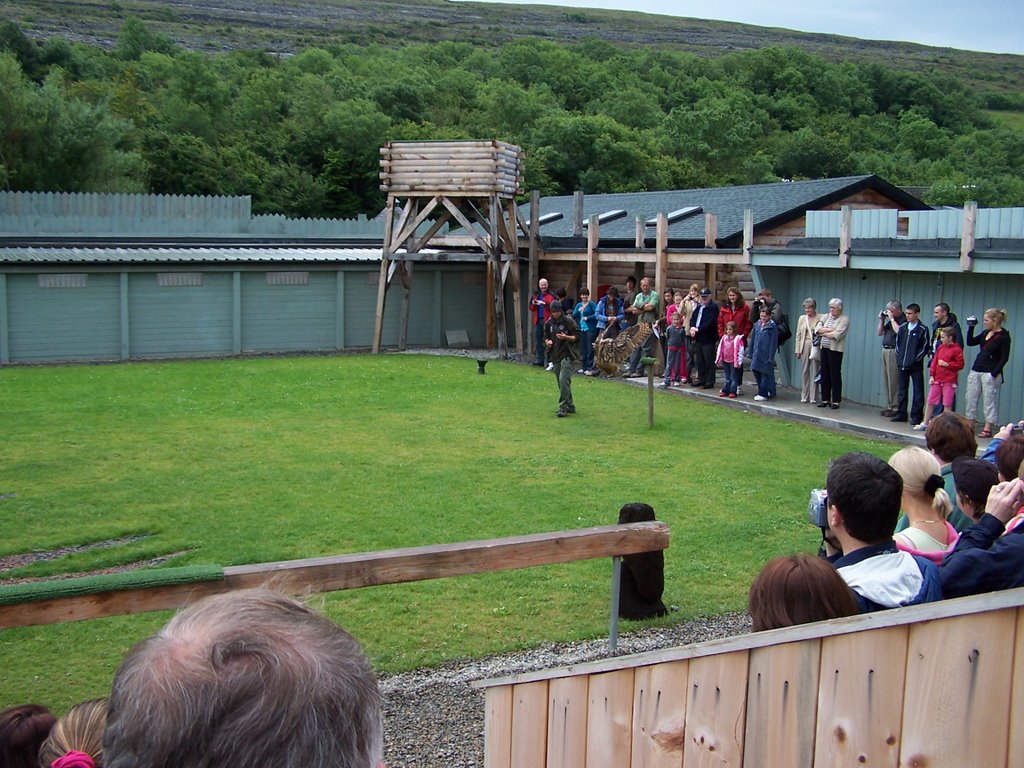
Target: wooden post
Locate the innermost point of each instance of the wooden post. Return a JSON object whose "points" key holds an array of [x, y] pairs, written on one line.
{"points": [[711, 230], [593, 237], [661, 254], [382, 283], [490, 301], [514, 277], [533, 268], [968, 236], [405, 273], [748, 235], [845, 236], [640, 232], [494, 258], [577, 214]]}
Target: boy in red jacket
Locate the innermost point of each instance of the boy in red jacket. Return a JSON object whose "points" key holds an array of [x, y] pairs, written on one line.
{"points": [[947, 362]]}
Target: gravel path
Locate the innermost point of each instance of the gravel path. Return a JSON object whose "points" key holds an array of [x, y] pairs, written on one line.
{"points": [[433, 718]]}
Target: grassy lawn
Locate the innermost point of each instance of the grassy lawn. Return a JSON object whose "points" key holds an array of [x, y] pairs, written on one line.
{"points": [[254, 460]]}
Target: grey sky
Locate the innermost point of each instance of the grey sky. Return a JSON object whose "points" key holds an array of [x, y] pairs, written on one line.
{"points": [[982, 25]]}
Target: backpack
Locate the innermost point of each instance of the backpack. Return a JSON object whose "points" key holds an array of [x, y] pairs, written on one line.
{"points": [[785, 334]]}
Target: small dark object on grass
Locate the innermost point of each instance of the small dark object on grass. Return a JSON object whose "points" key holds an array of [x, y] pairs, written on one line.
{"points": [[480, 366]]}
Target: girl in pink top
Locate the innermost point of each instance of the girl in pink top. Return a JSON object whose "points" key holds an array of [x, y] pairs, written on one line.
{"points": [[730, 357]]}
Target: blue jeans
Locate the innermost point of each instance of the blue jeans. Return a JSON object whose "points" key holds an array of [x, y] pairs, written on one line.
{"points": [[587, 349], [765, 383], [538, 332], [732, 378]]}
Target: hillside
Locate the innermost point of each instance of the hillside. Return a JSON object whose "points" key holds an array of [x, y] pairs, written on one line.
{"points": [[287, 26]]}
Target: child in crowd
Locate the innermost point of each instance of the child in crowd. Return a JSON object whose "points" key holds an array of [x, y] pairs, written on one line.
{"points": [[730, 358], [947, 362], [584, 315], [675, 367], [76, 741]]}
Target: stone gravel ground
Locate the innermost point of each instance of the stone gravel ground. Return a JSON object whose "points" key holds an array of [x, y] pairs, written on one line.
{"points": [[433, 718]]}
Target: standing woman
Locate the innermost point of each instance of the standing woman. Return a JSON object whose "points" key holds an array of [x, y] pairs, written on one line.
{"points": [[986, 375], [736, 310], [808, 352], [832, 332]]}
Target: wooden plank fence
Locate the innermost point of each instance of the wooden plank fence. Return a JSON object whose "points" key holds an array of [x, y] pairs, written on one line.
{"points": [[366, 569], [928, 686]]}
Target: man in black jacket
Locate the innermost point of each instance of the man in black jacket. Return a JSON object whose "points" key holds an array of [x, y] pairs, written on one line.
{"points": [[704, 334], [913, 340]]}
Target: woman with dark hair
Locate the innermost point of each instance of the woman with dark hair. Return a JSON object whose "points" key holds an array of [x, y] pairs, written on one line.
{"points": [[798, 589], [736, 309], [23, 729]]}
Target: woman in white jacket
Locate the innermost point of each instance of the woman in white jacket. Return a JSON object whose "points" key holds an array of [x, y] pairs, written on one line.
{"points": [[808, 353]]}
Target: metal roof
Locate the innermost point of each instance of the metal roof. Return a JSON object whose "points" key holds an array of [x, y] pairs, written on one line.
{"points": [[198, 255], [771, 204]]}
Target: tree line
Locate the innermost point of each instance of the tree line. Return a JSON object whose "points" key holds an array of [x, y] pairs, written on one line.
{"points": [[301, 133]]}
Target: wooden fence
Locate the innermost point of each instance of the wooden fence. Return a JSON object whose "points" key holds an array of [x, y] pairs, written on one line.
{"points": [[364, 569], [922, 687]]}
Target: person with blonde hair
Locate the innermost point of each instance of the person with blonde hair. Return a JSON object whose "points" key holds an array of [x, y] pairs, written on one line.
{"points": [[925, 503], [986, 374], [76, 740]]}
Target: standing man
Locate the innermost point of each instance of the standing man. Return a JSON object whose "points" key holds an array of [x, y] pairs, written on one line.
{"points": [[945, 319], [889, 321], [628, 302], [560, 337], [644, 310], [912, 344], [704, 336], [539, 307]]}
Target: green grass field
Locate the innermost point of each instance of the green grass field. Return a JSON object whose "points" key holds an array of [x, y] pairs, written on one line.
{"points": [[254, 460]]}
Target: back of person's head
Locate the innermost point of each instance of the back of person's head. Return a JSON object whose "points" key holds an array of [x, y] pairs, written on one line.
{"points": [[921, 476], [950, 435], [22, 731], [1009, 455], [867, 492], [974, 479], [245, 679], [798, 589], [76, 740]]}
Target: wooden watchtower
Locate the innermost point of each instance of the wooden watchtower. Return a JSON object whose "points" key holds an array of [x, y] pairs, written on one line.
{"points": [[470, 184]]}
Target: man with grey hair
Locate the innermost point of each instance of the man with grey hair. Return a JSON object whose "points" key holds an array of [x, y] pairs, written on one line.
{"points": [[245, 679], [889, 321]]}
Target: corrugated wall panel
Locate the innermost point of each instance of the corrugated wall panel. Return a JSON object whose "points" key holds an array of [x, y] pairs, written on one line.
{"points": [[1000, 222], [64, 323], [361, 309], [424, 308], [180, 321], [865, 293], [868, 223], [288, 317], [466, 310]]}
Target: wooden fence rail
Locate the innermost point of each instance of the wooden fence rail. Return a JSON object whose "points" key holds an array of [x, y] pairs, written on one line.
{"points": [[928, 686], [325, 574]]}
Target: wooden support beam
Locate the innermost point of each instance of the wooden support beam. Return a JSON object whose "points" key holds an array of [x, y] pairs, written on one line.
{"points": [[533, 268], [577, 214], [512, 269], [484, 243], [845, 236], [641, 231], [968, 236], [710, 230], [354, 571], [494, 210], [748, 235], [593, 237], [405, 275], [661, 254], [382, 282]]}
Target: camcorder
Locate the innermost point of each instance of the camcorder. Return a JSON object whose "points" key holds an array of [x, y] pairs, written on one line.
{"points": [[972, 320], [817, 508]]}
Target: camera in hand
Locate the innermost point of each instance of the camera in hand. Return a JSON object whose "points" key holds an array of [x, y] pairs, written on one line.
{"points": [[883, 314], [817, 508], [972, 320]]}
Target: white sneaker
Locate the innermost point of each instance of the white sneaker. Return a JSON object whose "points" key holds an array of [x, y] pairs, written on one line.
{"points": [[920, 427], [759, 398], [550, 367], [739, 391]]}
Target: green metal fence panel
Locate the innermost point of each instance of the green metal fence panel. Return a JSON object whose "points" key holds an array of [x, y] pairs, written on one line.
{"points": [[68, 316], [180, 314], [288, 311]]}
